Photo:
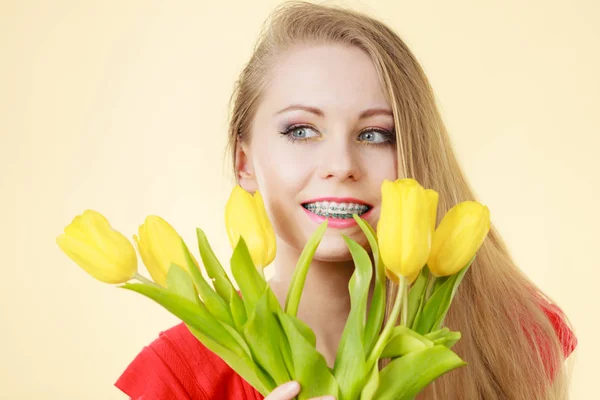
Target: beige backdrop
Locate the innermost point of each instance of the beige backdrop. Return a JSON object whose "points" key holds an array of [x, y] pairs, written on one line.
{"points": [[121, 106]]}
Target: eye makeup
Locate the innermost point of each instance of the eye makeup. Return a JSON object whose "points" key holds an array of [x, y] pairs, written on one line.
{"points": [[389, 137]]}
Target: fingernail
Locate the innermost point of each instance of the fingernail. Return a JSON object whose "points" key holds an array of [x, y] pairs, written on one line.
{"points": [[292, 387]]}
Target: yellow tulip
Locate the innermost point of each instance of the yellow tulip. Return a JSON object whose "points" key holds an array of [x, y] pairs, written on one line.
{"points": [[432, 199], [160, 246], [246, 215], [102, 252], [458, 237], [392, 277], [404, 228]]}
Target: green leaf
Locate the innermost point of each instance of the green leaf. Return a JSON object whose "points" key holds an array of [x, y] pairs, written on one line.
{"points": [[377, 308], [406, 376], [243, 366], [304, 330], [350, 367], [437, 306], [371, 385], [222, 340], [310, 367], [449, 340], [179, 282], [213, 267], [267, 340], [193, 313], [440, 333], [297, 284], [252, 285], [416, 295], [439, 282], [403, 341], [236, 306], [213, 302], [221, 281]]}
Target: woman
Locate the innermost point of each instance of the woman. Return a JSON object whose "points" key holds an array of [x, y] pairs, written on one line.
{"points": [[332, 103]]}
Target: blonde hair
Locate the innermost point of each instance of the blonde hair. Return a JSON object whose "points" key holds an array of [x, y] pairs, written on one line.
{"points": [[497, 308]]}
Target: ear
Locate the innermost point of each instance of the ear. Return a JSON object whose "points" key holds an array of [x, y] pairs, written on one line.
{"points": [[244, 167]]}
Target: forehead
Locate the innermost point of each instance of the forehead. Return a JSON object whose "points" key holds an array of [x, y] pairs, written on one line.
{"points": [[333, 77]]}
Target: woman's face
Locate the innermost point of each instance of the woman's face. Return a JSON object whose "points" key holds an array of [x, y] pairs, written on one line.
{"points": [[323, 131]]}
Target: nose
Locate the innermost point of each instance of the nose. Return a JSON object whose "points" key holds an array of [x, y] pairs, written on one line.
{"points": [[340, 160]]}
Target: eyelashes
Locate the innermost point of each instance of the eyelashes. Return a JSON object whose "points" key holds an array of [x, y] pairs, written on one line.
{"points": [[389, 137]]}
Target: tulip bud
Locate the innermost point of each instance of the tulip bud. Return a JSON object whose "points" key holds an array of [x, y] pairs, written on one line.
{"points": [[160, 246], [404, 227], [102, 252], [432, 199], [392, 277], [246, 215], [458, 237]]}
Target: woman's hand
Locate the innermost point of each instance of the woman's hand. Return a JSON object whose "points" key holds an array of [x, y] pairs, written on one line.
{"points": [[289, 390]]}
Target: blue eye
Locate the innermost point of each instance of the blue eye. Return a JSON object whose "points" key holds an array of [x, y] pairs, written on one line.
{"points": [[303, 130], [370, 136], [377, 137]]}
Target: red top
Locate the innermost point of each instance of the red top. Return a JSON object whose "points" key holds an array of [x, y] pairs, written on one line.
{"points": [[178, 366]]}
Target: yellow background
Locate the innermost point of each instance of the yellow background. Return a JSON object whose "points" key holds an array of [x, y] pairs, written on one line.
{"points": [[121, 106]]}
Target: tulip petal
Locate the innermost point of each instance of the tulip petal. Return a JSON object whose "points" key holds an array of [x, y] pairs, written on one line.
{"points": [[432, 200], [94, 262], [156, 270], [165, 242], [459, 236], [76, 230], [267, 228], [95, 230], [404, 227], [241, 219]]}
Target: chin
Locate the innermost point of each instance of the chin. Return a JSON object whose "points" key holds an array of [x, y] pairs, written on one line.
{"points": [[333, 249]]}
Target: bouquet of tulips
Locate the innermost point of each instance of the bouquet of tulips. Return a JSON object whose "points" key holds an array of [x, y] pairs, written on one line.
{"points": [[268, 345]]}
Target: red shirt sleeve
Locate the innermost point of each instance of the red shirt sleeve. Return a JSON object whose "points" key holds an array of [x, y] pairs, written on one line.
{"points": [[566, 337], [178, 366], [565, 334]]}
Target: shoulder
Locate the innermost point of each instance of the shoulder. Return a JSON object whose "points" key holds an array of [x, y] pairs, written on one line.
{"points": [[177, 366], [566, 337], [557, 318]]}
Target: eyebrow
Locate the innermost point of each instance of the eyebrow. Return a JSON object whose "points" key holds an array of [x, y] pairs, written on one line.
{"points": [[365, 114]]}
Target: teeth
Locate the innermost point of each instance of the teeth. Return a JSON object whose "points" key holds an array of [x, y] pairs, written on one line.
{"points": [[336, 210]]}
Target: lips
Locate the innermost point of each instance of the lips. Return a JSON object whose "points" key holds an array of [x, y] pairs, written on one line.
{"points": [[334, 222], [339, 200]]}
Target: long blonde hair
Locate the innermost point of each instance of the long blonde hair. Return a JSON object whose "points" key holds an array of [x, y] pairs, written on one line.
{"points": [[497, 308]]}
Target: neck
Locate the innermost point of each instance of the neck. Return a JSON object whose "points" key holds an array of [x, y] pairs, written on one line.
{"points": [[325, 300]]}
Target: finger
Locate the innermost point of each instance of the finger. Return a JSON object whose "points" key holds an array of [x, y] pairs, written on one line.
{"points": [[287, 391], [323, 398]]}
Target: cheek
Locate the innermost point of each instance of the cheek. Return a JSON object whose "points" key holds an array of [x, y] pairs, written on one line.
{"points": [[381, 165], [281, 168]]}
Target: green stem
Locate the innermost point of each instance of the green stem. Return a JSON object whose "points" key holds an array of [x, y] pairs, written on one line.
{"points": [[389, 326], [430, 285], [404, 314], [145, 280]]}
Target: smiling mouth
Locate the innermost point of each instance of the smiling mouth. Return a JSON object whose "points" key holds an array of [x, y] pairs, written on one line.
{"points": [[332, 209]]}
